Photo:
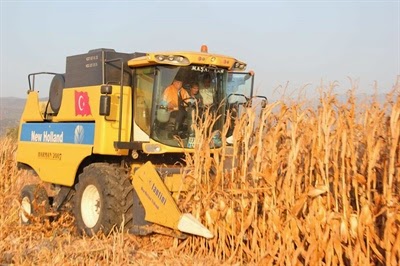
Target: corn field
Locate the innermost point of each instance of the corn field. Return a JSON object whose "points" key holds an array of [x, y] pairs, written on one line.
{"points": [[306, 186]]}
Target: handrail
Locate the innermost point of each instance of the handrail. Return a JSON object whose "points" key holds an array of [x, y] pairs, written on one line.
{"points": [[32, 85], [121, 82]]}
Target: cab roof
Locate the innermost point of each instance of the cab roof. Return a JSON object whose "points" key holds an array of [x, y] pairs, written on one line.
{"points": [[185, 58]]}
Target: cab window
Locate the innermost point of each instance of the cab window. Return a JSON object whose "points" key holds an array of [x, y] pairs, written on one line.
{"points": [[144, 95]]}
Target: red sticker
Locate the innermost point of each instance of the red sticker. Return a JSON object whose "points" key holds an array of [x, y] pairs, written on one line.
{"points": [[82, 106]]}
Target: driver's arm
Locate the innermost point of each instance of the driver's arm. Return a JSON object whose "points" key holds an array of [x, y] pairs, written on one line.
{"points": [[169, 98], [185, 95]]}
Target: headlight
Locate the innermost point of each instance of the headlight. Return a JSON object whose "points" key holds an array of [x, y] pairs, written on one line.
{"points": [[152, 148], [239, 66], [172, 59]]}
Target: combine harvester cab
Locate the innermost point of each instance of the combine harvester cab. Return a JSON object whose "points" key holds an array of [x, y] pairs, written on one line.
{"points": [[106, 139]]}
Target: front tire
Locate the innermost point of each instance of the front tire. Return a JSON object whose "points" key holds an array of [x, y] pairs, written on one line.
{"points": [[103, 196]]}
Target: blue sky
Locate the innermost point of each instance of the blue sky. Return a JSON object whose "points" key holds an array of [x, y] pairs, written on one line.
{"points": [[300, 42]]}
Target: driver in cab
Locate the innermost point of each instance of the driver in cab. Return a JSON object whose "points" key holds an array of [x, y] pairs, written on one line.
{"points": [[174, 95]]}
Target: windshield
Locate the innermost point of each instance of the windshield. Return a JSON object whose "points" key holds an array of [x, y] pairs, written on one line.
{"points": [[180, 90], [239, 88], [239, 93]]}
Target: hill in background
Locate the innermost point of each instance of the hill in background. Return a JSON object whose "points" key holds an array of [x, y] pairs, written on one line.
{"points": [[10, 112]]}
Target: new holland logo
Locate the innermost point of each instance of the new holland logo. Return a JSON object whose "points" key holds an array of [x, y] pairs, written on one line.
{"points": [[79, 134]]}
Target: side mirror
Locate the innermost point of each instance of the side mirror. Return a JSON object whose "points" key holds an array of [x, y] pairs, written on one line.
{"points": [[105, 105], [105, 100]]}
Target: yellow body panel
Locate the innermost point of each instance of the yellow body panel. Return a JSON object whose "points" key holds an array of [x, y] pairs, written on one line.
{"points": [[44, 146], [69, 103], [106, 129], [32, 111], [54, 163]]}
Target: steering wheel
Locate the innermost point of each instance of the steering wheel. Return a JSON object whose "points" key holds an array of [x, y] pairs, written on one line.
{"points": [[187, 103], [237, 102]]}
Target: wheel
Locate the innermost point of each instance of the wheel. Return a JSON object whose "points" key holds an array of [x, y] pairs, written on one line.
{"points": [[34, 203], [103, 199]]}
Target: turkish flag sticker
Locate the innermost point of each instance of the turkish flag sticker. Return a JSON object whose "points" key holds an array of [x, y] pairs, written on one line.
{"points": [[82, 106]]}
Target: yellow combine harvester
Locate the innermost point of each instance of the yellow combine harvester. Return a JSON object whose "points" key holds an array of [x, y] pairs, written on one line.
{"points": [[108, 124]]}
